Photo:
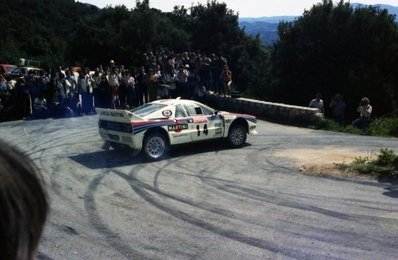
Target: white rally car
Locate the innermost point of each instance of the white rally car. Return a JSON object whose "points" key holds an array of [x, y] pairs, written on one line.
{"points": [[155, 126]]}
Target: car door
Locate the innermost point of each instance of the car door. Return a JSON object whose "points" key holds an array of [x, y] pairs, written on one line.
{"points": [[204, 124], [180, 132]]}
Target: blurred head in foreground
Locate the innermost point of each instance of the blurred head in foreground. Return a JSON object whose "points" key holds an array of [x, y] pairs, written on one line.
{"points": [[23, 205]]}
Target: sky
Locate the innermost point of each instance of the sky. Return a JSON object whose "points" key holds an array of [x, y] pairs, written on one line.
{"points": [[245, 8]]}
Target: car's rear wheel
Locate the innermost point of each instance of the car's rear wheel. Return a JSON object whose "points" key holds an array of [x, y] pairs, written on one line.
{"points": [[237, 135], [155, 146]]}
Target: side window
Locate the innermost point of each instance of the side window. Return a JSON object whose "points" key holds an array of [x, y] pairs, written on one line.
{"points": [[198, 110], [180, 111], [190, 110], [206, 111]]}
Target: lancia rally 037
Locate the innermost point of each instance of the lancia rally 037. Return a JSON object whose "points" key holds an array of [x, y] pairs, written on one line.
{"points": [[153, 127]]}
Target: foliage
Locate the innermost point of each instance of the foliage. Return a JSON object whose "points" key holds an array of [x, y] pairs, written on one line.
{"points": [[384, 164], [62, 32], [379, 127], [331, 48], [331, 125], [384, 127], [337, 49], [40, 30]]}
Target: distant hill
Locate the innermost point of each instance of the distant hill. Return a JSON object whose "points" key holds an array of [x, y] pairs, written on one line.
{"points": [[267, 27]]}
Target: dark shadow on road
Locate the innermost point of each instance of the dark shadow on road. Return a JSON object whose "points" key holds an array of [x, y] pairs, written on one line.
{"points": [[106, 159], [202, 147], [391, 187], [115, 158]]}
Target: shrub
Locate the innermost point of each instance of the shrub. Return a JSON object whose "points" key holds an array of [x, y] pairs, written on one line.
{"points": [[386, 157], [331, 125], [384, 164], [379, 127], [384, 127], [327, 124]]}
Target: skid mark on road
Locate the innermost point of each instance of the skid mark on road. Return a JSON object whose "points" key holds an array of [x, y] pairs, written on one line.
{"points": [[140, 188], [112, 238]]}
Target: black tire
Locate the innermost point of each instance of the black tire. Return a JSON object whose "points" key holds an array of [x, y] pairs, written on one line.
{"points": [[155, 146], [237, 135]]}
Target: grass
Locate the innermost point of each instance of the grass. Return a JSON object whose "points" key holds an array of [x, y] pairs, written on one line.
{"points": [[379, 127], [384, 164]]}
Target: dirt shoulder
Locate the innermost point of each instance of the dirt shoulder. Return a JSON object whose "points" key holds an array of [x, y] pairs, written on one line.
{"points": [[323, 161]]}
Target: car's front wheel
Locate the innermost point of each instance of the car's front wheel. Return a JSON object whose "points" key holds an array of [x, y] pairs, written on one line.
{"points": [[237, 135], [155, 146]]}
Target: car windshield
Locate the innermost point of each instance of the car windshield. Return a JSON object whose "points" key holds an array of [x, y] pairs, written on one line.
{"points": [[16, 70], [10, 68], [147, 109]]}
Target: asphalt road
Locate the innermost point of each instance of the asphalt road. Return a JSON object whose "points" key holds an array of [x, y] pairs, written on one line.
{"points": [[206, 201]]}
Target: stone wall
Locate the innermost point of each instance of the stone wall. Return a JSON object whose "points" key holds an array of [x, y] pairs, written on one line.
{"points": [[272, 111]]}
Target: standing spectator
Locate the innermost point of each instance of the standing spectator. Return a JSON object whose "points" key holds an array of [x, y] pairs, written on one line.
{"points": [[182, 81], [217, 67], [24, 102], [123, 90], [338, 109], [114, 82], [365, 110], [170, 79], [141, 87], [204, 71], [163, 91], [152, 82], [105, 93], [84, 92], [226, 76], [96, 80], [131, 91], [317, 102]]}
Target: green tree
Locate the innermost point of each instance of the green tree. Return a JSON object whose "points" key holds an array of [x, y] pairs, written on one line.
{"points": [[336, 49]]}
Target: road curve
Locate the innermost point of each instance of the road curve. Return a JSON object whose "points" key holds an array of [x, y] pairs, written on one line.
{"points": [[206, 201]]}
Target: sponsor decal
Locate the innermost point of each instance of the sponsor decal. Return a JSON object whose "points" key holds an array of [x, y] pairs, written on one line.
{"points": [[228, 121], [217, 125], [177, 128], [179, 135], [200, 119], [167, 113], [218, 132]]}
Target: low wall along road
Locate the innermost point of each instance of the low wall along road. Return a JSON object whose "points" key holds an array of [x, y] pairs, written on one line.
{"points": [[273, 111]]}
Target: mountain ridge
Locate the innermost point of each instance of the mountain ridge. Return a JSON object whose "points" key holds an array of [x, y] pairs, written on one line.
{"points": [[267, 26]]}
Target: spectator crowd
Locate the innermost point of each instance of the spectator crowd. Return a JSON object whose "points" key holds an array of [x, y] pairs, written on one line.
{"points": [[75, 91]]}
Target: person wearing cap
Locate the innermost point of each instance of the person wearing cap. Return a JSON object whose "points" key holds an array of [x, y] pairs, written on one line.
{"points": [[111, 64]]}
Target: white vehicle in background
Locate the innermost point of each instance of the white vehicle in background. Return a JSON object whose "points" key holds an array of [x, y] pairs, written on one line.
{"points": [[156, 126]]}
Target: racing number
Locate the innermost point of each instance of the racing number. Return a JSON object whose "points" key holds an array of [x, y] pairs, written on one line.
{"points": [[205, 131]]}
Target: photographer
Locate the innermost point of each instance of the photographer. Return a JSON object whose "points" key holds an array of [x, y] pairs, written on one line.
{"points": [[364, 109]]}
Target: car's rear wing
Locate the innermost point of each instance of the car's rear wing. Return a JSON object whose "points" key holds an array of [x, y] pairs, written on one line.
{"points": [[116, 115]]}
